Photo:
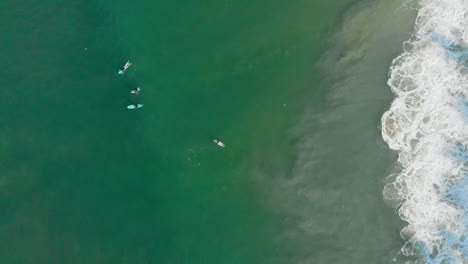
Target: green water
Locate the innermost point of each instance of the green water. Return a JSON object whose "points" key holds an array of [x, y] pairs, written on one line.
{"points": [[84, 180]]}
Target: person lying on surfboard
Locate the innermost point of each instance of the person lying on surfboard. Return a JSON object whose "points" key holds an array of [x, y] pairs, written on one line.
{"points": [[125, 67], [135, 91], [219, 143], [134, 106]]}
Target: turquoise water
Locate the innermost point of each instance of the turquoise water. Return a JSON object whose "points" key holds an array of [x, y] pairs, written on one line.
{"points": [[84, 180]]}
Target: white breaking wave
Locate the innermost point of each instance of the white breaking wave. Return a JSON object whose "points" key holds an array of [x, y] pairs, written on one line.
{"points": [[427, 125]]}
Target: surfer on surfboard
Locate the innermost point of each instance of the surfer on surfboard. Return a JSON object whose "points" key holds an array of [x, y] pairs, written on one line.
{"points": [[134, 106], [219, 143], [135, 91], [124, 68]]}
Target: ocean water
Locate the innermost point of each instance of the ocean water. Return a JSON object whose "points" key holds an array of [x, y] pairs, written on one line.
{"points": [[333, 189], [295, 89], [427, 125]]}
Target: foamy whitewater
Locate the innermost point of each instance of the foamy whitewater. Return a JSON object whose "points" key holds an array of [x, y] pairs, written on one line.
{"points": [[427, 125]]}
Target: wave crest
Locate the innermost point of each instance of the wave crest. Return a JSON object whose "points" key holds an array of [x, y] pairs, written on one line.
{"points": [[427, 125]]}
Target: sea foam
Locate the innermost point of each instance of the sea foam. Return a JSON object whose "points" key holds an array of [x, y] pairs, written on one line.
{"points": [[427, 125]]}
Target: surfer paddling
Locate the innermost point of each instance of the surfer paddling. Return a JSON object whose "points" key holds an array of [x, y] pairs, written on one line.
{"points": [[124, 68], [134, 106], [135, 91], [219, 143]]}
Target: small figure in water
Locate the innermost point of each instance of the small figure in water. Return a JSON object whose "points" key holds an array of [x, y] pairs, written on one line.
{"points": [[219, 143], [135, 91], [124, 68], [134, 106]]}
